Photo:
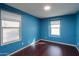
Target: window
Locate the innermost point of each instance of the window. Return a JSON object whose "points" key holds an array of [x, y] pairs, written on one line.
{"points": [[55, 28], [10, 27]]}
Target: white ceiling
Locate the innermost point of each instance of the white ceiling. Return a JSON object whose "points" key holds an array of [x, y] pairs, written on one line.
{"points": [[37, 9]]}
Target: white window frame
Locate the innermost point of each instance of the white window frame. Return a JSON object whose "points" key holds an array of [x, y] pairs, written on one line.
{"points": [[52, 27], [12, 20]]}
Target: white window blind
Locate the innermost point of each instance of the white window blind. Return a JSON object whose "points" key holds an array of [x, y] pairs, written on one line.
{"points": [[55, 28], [10, 27]]}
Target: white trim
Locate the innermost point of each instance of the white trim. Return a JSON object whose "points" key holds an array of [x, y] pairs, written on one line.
{"points": [[9, 43], [2, 13], [77, 48], [61, 43], [22, 48], [43, 40], [58, 42], [19, 50]]}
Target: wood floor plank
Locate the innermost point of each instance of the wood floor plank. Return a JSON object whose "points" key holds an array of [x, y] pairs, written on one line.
{"points": [[45, 48]]}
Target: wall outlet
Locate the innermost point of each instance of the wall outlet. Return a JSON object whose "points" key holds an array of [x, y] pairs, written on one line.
{"points": [[22, 43]]}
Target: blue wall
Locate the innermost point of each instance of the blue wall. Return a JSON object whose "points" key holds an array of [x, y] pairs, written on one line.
{"points": [[33, 28], [77, 29], [29, 30], [68, 29]]}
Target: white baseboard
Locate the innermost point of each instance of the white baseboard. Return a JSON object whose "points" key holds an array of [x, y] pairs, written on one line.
{"points": [[58, 42], [22, 48], [77, 48], [62, 43], [44, 40]]}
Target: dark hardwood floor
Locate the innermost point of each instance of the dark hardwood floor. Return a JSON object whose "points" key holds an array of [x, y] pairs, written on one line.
{"points": [[45, 48]]}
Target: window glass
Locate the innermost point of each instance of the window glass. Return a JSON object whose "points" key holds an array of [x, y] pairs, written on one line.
{"points": [[10, 23], [55, 28], [10, 35]]}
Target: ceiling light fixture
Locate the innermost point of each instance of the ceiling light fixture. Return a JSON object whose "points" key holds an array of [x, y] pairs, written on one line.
{"points": [[46, 8]]}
